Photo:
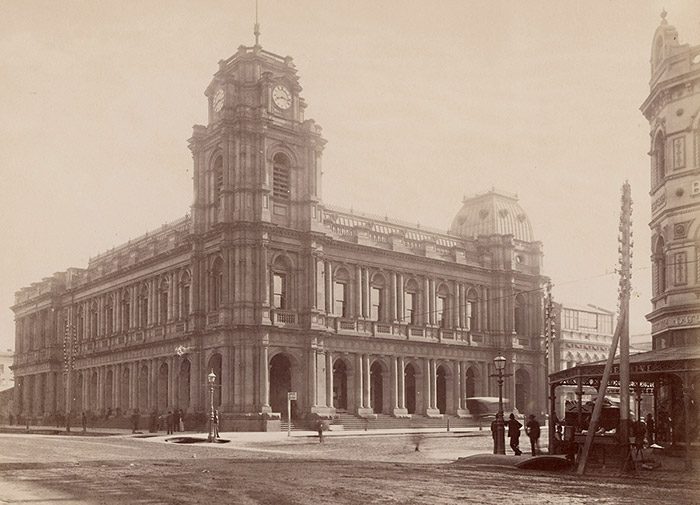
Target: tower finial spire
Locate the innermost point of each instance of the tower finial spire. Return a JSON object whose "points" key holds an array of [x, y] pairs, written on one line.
{"points": [[256, 30]]}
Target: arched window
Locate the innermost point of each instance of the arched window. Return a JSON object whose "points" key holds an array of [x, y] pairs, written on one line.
{"points": [[442, 306], [658, 160], [281, 283], [411, 302], [472, 310], [660, 264], [109, 316], [519, 315], [80, 323], [280, 177], [216, 284], [93, 320], [376, 295], [163, 301], [341, 293], [185, 283], [143, 306], [217, 179], [126, 310]]}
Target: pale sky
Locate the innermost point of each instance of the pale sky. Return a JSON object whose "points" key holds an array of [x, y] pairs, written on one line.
{"points": [[421, 103]]}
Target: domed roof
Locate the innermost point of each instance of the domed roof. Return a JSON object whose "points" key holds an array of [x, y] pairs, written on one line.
{"points": [[492, 213]]}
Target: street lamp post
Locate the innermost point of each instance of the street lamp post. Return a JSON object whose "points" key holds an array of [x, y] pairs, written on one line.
{"points": [[499, 443], [638, 392], [212, 416]]}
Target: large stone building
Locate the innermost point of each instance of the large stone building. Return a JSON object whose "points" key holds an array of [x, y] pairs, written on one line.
{"points": [[275, 291], [673, 111]]}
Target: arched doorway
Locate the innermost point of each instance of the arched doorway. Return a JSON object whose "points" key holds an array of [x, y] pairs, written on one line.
{"points": [[340, 385], [214, 365], [522, 390], [163, 387], [280, 383], [376, 383], [183, 400], [124, 391], [410, 388], [470, 382], [143, 389], [441, 389]]}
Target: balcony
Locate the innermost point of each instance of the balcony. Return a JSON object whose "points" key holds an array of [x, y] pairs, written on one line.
{"points": [[284, 318]]}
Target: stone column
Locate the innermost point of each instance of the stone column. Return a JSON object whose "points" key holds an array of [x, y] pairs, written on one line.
{"points": [[367, 381], [329, 379], [431, 301], [265, 378], [456, 387], [196, 385], [401, 312], [320, 285], [357, 294], [395, 381], [359, 386], [432, 410], [365, 293], [329, 288], [392, 299], [402, 383], [50, 404], [313, 379]]}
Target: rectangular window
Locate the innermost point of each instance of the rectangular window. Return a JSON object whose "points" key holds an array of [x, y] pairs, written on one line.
{"points": [[376, 303], [340, 306], [280, 291]]}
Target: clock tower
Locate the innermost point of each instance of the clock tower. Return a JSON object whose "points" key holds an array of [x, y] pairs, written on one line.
{"points": [[258, 159]]}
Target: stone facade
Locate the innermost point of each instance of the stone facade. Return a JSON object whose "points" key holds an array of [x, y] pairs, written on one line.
{"points": [[276, 292], [583, 335], [673, 111]]}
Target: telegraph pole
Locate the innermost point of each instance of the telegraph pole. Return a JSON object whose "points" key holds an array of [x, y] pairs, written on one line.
{"points": [[549, 331], [621, 335]]}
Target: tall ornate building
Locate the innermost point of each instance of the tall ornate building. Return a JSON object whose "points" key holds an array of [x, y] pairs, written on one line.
{"points": [[673, 111], [276, 292]]}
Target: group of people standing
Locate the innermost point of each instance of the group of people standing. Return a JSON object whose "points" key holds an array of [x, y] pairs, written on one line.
{"points": [[172, 421], [532, 429]]}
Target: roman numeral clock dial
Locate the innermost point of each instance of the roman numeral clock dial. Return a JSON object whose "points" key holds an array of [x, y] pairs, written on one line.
{"points": [[282, 97]]}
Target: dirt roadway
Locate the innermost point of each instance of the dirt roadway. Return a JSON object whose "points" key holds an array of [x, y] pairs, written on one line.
{"points": [[347, 470]]}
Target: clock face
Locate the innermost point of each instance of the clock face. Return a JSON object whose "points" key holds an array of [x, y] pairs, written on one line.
{"points": [[282, 97], [218, 101]]}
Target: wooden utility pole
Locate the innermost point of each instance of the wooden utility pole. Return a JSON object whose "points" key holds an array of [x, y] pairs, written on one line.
{"points": [[621, 335]]}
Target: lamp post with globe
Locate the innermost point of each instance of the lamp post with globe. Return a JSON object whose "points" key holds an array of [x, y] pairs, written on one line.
{"points": [[211, 378], [499, 442]]}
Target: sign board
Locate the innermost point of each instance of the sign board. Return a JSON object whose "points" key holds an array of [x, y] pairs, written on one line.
{"points": [[292, 395]]}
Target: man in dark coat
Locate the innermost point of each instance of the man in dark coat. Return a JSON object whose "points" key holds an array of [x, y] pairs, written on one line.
{"points": [[532, 428], [514, 434]]}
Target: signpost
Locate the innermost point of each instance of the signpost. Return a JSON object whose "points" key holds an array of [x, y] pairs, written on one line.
{"points": [[291, 395]]}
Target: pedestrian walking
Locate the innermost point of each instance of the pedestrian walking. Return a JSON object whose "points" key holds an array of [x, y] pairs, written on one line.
{"points": [[181, 420], [169, 422], [216, 424], [319, 428], [83, 420], [514, 434], [532, 428]]}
